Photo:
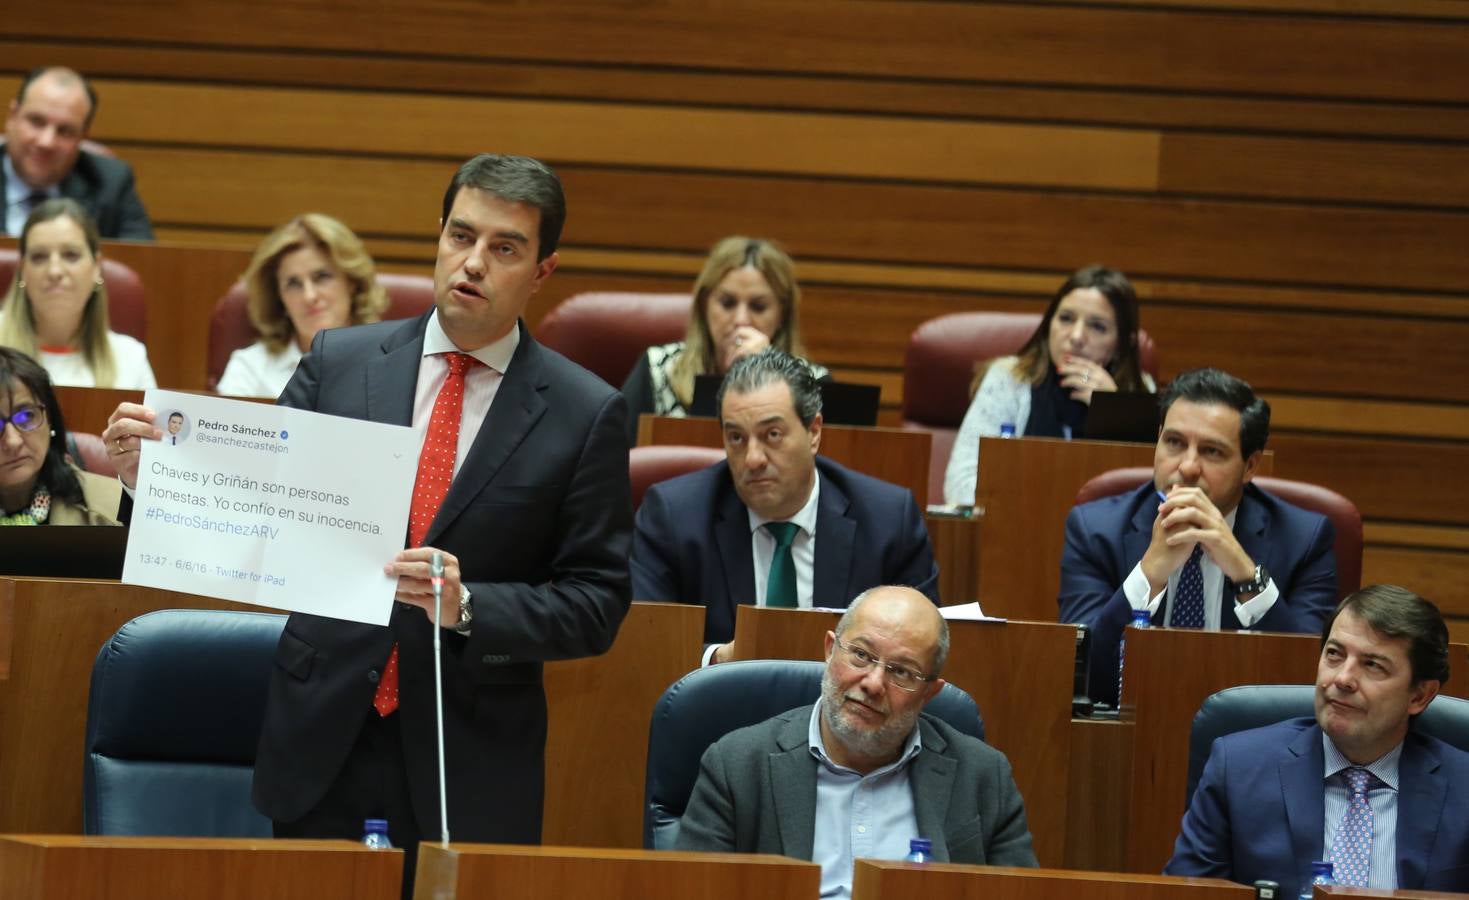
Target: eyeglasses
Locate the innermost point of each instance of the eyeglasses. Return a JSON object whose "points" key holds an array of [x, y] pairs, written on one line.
{"points": [[900, 676], [25, 419]]}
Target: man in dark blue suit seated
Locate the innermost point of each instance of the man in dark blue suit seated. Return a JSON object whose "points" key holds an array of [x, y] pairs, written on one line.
{"points": [[1199, 546], [777, 525], [1358, 786]]}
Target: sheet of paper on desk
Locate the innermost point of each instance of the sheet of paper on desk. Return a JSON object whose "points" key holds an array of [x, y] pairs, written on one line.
{"points": [[966, 612], [271, 506]]}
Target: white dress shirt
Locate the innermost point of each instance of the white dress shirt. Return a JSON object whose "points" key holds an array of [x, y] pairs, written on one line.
{"points": [[1136, 589], [480, 384]]}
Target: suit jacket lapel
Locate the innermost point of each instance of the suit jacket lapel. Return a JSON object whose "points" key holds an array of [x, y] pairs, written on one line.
{"points": [[732, 535], [392, 378], [793, 780], [1305, 801], [1252, 530], [836, 537], [932, 780], [1136, 538], [518, 405], [1422, 792]]}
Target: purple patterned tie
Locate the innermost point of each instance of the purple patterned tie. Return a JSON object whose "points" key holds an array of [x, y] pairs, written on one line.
{"points": [[1352, 849], [1188, 601]]}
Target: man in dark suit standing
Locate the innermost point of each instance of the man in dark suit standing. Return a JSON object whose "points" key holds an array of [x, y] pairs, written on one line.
{"points": [[49, 118], [522, 487], [1359, 785], [1198, 546], [863, 771], [777, 525]]}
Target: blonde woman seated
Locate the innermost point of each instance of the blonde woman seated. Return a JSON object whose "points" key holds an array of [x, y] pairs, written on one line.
{"points": [[745, 299], [38, 484], [57, 308], [309, 274], [1086, 342]]}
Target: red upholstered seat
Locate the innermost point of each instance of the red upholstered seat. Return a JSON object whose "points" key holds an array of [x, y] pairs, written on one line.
{"points": [[127, 301], [939, 367], [649, 465], [605, 332], [230, 328], [1345, 518]]}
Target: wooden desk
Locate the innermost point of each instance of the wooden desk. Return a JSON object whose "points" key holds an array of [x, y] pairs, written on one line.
{"points": [[1020, 674], [1026, 488], [1169, 675], [882, 880], [558, 873], [87, 409], [896, 456], [600, 709], [69, 867]]}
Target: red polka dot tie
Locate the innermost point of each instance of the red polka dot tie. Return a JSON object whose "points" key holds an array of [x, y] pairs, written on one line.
{"points": [[435, 471]]}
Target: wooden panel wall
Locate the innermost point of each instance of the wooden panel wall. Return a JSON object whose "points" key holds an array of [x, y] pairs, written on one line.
{"points": [[1286, 180]]}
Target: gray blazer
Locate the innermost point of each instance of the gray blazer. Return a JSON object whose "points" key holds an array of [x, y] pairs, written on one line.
{"points": [[756, 793]]}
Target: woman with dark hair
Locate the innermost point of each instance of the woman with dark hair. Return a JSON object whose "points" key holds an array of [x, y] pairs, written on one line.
{"points": [[311, 273], [745, 299], [1086, 342], [38, 484], [57, 312]]}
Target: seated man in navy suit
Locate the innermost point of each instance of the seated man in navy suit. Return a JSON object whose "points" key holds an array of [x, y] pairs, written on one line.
{"points": [[864, 770], [778, 525], [1359, 786], [1198, 546]]}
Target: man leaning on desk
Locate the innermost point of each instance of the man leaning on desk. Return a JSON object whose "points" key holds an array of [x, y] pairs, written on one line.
{"points": [[864, 770], [777, 525], [1198, 546]]}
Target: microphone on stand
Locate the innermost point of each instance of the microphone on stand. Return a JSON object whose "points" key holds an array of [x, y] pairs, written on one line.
{"points": [[436, 573]]}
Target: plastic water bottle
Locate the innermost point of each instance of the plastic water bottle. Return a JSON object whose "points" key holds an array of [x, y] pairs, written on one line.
{"points": [[1141, 618], [1320, 874], [920, 850], [1007, 429], [375, 834]]}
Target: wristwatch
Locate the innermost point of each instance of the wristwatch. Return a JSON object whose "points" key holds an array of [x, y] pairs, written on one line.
{"points": [[466, 612], [1254, 585]]}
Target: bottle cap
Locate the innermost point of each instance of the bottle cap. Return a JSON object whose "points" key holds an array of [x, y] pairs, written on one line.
{"points": [[920, 845], [1007, 429], [379, 826], [1142, 618]]}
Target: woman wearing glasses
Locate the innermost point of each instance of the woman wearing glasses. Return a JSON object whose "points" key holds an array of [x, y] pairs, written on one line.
{"points": [[38, 484]]}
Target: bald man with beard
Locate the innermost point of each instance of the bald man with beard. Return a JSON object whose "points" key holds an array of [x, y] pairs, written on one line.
{"points": [[864, 770]]}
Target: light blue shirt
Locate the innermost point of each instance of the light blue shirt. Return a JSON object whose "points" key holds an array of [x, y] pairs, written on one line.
{"points": [[16, 194], [869, 816], [1382, 796]]}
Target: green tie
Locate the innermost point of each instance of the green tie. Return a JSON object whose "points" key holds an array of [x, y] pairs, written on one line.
{"points": [[780, 587]]}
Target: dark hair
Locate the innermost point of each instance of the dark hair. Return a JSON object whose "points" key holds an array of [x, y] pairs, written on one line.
{"points": [[55, 473], [1399, 613], [67, 74], [518, 179], [1213, 386], [1034, 362], [770, 365]]}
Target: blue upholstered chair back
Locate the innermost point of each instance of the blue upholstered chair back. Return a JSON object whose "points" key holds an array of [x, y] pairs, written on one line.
{"points": [[177, 700], [706, 704], [1257, 705]]}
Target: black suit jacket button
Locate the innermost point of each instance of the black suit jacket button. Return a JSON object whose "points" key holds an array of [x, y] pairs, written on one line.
{"points": [[373, 676]]}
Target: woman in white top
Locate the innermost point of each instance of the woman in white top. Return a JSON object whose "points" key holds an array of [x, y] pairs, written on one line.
{"points": [[311, 273], [1086, 342], [57, 309]]}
